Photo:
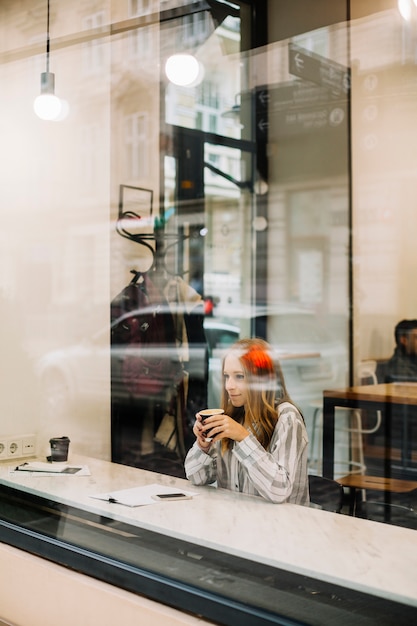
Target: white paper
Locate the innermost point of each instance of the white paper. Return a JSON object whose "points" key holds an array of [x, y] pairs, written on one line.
{"points": [[51, 469], [140, 496]]}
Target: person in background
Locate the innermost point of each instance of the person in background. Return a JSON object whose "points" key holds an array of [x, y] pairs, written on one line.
{"points": [[259, 445], [402, 366]]}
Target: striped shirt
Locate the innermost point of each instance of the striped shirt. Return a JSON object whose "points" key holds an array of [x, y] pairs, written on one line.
{"points": [[278, 475]]}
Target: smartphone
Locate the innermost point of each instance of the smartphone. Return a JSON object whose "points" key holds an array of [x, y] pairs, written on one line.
{"points": [[171, 496]]}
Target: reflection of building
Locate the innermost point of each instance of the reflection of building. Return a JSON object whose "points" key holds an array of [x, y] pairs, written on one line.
{"points": [[119, 82]]}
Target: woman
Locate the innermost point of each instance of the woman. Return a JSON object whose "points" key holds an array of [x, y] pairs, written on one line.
{"points": [[259, 445]]}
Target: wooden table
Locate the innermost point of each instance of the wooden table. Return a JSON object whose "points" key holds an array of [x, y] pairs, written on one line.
{"points": [[383, 397], [375, 483]]}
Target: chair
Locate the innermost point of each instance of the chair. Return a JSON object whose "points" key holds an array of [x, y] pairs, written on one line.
{"points": [[366, 374], [358, 481], [355, 464], [326, 493]]}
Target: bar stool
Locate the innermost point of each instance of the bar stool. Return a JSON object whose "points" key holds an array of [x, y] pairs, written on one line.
{"points": [[366, 372]]}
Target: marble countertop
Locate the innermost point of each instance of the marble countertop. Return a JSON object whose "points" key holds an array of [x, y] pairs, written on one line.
{"points": [[363, 555]]}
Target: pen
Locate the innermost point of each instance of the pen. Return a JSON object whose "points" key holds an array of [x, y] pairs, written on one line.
{"points": [[17, 468]]}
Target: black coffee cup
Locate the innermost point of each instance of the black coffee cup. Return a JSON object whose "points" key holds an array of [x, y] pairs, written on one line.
{"points": [[59, 448], [208, 413]]}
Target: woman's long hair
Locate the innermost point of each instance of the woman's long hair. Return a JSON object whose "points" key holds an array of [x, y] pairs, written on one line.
{"points": [[265, 390]]}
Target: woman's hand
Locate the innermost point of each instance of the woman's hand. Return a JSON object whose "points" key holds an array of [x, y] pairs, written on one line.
{"points": [[220, 427]]}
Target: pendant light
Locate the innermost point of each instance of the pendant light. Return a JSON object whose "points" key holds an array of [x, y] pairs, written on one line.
{"points": [[184, 70], [47, 105]]}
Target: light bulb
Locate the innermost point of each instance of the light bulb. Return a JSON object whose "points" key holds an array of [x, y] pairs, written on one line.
{"points": [[183, 70], [47, 106]]}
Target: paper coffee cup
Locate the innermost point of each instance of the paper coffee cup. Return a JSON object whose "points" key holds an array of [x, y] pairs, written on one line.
{"points": [[208, 413], [59, 448]]}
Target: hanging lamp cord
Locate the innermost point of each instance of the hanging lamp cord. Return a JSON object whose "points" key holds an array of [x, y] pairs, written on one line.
{"points": [[47, 38]]}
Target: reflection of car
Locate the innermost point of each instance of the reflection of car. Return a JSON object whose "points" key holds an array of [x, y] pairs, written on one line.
{"points": [[311, 360], [81, 373]]}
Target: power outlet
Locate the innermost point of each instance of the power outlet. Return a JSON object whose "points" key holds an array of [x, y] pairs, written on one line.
{"points": [[3, 449], [17, 446], [14, 448], [29, 445]]}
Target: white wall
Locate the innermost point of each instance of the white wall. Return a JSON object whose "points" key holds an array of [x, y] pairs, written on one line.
{"points": [[58, 207], [384, 162]]}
